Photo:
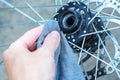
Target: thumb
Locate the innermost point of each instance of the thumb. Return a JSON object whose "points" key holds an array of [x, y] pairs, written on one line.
{"points": [[51, 41]]}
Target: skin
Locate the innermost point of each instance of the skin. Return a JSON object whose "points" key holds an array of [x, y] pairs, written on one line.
{"points": [[24, 62]]}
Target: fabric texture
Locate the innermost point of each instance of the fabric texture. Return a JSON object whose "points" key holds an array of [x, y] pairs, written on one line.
{"points": [[65, 60]]}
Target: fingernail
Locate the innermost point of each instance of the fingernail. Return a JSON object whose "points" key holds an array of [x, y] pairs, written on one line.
{"points": [[54, 34]]}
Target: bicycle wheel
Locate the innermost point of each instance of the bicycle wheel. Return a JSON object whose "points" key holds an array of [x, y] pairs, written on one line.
{"points": [[97, 21]]}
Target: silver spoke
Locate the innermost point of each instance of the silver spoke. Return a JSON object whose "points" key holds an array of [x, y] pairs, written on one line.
{"points": [[34, 10], [98, 55], [94, 56], [106, 52], [61, 2], [40, 6], [56, 3], [77, 1], [103, 6], [114, 20], [112, 38], [106, 26], [18, 10], [80, 54], [84, 69], [105, 30]]}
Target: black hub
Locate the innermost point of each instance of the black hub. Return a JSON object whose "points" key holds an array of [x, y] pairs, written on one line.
{"points": [[75, 21]]}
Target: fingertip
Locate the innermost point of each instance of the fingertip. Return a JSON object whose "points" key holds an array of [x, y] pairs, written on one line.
{"points": [[51, 42], [54, 35]]}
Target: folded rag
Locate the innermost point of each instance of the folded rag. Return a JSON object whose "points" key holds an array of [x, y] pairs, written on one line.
{"points": [[65, 60]]}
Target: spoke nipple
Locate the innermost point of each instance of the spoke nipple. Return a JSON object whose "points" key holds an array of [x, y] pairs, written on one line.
{"points": [[84, 7], [68, 37], [63, 8], [73, 40], [82, 12], [65, 34], [99, 20], [74, 3], [84, 31], [78, 9], [95, 43], [72, 36], [89, 18], [55, 19]]}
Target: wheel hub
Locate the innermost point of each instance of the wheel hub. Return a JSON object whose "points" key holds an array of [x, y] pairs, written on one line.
{"points": [[73, 19]]}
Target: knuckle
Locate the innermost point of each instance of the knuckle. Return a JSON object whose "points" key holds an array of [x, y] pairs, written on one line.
{"points": [[5, 54], [27, 32], [8, 52], [12, 46]]}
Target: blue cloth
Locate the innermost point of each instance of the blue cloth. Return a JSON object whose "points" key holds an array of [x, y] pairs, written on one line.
{"points": [[66, 63]]}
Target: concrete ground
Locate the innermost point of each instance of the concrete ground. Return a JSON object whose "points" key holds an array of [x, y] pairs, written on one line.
{"points": [[13, 25]]}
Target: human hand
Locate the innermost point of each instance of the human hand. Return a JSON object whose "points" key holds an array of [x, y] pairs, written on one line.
{"points": [[24, 62]]}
